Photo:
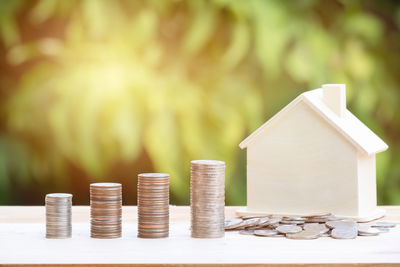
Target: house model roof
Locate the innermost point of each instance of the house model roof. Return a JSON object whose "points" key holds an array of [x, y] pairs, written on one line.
{"points": [[347, 125]]}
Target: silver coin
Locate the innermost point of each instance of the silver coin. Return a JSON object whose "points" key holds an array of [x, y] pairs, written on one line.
{"points": [[288, 229], [340, 223], [263, 221], [304, 235], [366, 230], [344, 232], [248, 223], [384, 224], [278, 235], [382, 230], [292, 218], [245, 217], [317, 214], [62, 196], [327, 234], [246, 232], [266, 232], [321, 219], [232, 224], [316, 227], [274, 221], [291, 222]]}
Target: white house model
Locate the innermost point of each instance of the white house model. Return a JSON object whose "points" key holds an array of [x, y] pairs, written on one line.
{"points": [[313, 156]]}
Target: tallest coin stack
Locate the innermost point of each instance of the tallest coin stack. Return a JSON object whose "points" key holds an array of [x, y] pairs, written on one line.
{"points": [[207, 198]]}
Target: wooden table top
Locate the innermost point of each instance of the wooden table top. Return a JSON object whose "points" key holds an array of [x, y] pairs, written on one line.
{"points": [[22, 241]]}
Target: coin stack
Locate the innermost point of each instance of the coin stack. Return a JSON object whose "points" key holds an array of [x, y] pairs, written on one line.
{"points": [[58, 215], [207, 198], [153, 205], [105, 210]]}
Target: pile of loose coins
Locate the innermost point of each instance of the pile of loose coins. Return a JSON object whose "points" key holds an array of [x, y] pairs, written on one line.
{"points": [[153, 205], [207, 198], [105, 210], [58, 215], [306, 227]]}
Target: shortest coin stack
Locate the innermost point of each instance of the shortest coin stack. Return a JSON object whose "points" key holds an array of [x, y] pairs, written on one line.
{"points": [[58, 215], [105, 210], [153, 205]]}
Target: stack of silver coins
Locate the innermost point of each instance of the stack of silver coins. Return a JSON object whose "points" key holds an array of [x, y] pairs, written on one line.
{"points": [[58, 215], [207, 198], [153, 205], [105, 210]]}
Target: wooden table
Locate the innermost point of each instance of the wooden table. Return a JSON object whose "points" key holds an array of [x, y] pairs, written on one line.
{"points": [[22, 242]]}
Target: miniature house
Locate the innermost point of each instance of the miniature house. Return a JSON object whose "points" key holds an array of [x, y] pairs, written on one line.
{"points": [[313, 156]]}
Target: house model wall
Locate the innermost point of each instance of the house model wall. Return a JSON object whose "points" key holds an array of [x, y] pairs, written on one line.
{"points": [[313, 156]]}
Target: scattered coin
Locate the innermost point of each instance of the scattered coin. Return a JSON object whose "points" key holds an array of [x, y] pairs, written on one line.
{"points": [[292, 222], [288, 229], [320, 214], [207, 198], [248, 223], [246, 232], [382, 230], [346, 232], [278, 235], [263, 221], [253, 216], [366, 230], [306, 235], [265, 232], [58, 215], [274, 221], [340, 224], [232, 224], [384, 224], [316, 228], [310, 226], [322, 219], [328, 234], [292, 218]]}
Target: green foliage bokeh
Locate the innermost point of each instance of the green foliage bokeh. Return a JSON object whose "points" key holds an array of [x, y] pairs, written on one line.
{"points": [[102, 90]]}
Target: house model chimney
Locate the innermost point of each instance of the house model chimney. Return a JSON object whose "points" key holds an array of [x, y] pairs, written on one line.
{"points": [[334, 96]]}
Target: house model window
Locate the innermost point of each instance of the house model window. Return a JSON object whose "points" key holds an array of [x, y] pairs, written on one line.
{"points": [[313, 156]]}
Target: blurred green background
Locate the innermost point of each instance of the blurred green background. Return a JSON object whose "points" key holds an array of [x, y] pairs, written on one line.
{"points": [[103, 90]]}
